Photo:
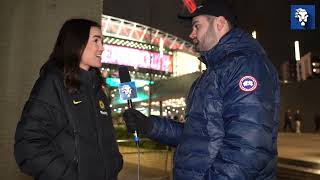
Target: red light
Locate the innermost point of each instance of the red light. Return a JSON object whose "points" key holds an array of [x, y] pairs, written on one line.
{"points": [[191, 5]]}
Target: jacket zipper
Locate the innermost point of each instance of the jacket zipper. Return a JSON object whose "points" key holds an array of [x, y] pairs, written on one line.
{"points": [[96, 118], [194, 88]]}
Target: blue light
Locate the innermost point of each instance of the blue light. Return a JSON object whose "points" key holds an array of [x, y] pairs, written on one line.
{"points": [[114, 82]]}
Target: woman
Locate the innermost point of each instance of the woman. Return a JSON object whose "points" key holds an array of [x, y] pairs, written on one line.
{"points": [[66, 131]]}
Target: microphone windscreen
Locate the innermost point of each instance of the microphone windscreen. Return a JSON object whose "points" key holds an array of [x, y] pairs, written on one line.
{"points": [[124, 74]]}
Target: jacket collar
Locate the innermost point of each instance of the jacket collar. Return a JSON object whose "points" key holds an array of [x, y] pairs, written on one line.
{"points": [[88, 79], [223, 48], [85, 76]]}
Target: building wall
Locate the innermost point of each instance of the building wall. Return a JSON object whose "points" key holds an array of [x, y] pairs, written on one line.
{"points": [[305, 66], [288, 71], [27, 35], [316, 66]]}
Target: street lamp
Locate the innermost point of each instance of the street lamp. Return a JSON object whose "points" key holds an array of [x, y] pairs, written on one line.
{"points": [[254, 34], [297, 50], [297, 56]]}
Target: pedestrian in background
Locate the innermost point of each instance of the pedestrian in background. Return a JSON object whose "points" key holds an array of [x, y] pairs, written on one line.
{"points": [[317, 122], [298, 120], [288, 121]]}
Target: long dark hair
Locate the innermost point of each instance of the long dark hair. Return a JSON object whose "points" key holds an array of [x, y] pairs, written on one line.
{"points": [[68, 49]]}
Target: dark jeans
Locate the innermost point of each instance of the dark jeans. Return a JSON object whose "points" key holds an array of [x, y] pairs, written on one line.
{"points": [[287, 123]]}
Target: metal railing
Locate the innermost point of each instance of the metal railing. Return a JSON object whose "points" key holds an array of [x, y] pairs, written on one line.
{"points": [[155, 164]]}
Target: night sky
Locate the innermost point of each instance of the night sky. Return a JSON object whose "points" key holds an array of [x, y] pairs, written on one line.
{"points": [[270, 18]]}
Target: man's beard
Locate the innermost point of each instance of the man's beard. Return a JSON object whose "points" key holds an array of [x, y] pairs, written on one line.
{"points": [[202, 45], [199, 47], [196, 47]]}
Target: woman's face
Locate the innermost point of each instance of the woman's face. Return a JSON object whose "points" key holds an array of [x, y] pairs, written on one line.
{"points": [[91, 56]]}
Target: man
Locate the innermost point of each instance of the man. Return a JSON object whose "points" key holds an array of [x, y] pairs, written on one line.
{"points": [[317, 122], [232, 108], [287, 121], [297, 118]]}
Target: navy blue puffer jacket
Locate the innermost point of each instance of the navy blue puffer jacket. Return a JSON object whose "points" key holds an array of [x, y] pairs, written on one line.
{"points": [[231, 116]]}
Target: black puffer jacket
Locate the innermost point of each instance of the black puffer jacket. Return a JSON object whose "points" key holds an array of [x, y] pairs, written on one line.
{"points": [[67, 137]]}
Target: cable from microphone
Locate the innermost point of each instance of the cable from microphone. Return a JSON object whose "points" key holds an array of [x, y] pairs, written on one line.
{"points": [[128, 91], [135, 134]]}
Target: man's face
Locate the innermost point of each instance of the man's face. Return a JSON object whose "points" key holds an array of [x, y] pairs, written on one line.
{"points": [[203, 34]]}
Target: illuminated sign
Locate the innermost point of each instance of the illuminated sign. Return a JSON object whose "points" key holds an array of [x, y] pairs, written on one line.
{"points": [[136, 58], [186, 63]]}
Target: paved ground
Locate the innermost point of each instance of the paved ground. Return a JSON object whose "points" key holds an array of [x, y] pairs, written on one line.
{"points": [[304, 147], [153, 164], [157, 165]]}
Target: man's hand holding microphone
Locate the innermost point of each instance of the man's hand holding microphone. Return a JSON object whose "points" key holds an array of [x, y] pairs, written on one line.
{"points": [[135, 120]]}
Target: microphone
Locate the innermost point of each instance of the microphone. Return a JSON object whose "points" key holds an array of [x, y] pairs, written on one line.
{"points": [[127, 90]]}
